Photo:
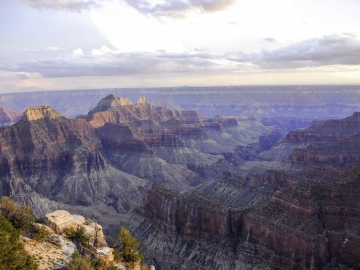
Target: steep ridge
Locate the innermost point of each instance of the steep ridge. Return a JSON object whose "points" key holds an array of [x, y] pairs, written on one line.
{"points": [[61, 159], [181, 147]]}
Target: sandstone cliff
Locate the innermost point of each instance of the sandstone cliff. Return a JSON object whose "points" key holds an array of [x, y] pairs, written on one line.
{"points": [[61, 159]]}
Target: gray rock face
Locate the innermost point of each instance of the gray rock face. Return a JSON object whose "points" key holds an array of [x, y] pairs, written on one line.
{"points": [[61, 159]]}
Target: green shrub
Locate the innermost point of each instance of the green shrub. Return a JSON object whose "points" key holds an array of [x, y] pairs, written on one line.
{"points": [[87, 263], [19, 216], [12, 254], [78, 235], [41, 235]]}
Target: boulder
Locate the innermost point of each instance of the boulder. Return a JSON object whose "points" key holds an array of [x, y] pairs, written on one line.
{"points": [[60, 220]]}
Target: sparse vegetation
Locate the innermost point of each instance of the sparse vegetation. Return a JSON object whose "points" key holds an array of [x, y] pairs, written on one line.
{"points": [[87, 263], [19, 216], [12, 254], [41, 235], [78, 235]]}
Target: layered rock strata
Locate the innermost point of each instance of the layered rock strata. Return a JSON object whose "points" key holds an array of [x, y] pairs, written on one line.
{"points": [[307, 224], [62, 159]]}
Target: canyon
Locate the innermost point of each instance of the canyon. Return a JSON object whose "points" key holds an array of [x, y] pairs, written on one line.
{"points": [[199, 191]]}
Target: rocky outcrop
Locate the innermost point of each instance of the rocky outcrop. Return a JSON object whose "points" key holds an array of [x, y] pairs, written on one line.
{"points": [[37, 113], [112, 101], [61, 220], [141, 101]]}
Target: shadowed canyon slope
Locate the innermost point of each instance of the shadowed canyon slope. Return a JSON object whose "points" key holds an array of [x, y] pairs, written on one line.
{"points": [[301, 214], [61, 159]]}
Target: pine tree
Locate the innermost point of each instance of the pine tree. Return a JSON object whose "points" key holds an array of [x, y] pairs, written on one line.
{"points": [[129, 247]]}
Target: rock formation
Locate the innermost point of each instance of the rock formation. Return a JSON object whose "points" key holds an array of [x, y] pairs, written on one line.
{"points": [[182, 148], [61, 220], [289, 217], [61, 159], [202, 211], [37, 113]]}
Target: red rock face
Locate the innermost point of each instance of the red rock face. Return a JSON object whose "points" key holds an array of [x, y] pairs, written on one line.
{"points": [[337, 154], [31, 148], [137, 114], [307, 225], [194, 218], [61, 159]]}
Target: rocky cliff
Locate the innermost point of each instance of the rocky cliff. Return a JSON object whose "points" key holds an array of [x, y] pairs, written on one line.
{"points": [[61, 159], [112, 154], [331, 142], [180, 147], [312, 222]]}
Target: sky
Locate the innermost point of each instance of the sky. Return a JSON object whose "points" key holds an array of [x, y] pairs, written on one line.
{"points": [[83, 44]]}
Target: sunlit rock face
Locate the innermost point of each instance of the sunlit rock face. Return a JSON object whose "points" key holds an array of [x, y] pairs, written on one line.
{"points": [[37, 113]]}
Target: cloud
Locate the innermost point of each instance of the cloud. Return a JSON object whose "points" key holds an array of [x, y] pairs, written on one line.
{"points": [[52, 48], [270, 39], [350, 34], [102, 50], [31, 50], [104, 62], [22, 76], [70, 5], [328, 50], [177, 8], [78, 52], [329, 53]]}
